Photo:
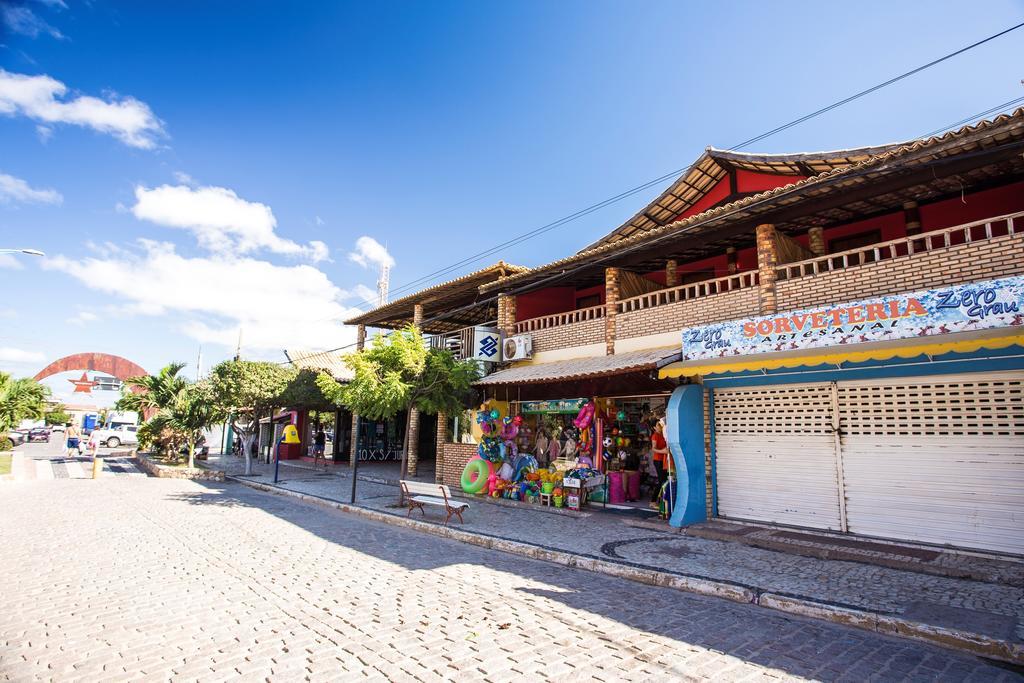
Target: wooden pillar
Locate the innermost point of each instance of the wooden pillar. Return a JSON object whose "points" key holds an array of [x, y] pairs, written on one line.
{"points": [[611, 308], [767, 259], [730, 260], [507, 314], [671, 273], [816, 240], [911, 218], [414, 414], [442, 434], [352, 455]]}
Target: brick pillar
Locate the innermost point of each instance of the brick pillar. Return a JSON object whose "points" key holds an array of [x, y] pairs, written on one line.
{"points": [[767, 259], [730, 260], [442, 423], [816, 241], [414, 414], [671, 273], [507, 314], [352, 455], [911, 218], [611, 308]]}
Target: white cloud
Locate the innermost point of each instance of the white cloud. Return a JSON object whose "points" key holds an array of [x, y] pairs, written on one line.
{"points": [[83, 317], [183, 178], [10, 261], [319, 221], [23, 21], [44, 100], [370, 252], [17, 190], [221, 220], [365, 294], [9, 354], [277, 307]]}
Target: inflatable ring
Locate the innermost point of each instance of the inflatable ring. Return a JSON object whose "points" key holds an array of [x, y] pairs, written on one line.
{"points": [[474, 477]]}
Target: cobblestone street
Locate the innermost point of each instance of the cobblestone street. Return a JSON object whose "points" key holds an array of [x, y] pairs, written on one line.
{"points": [[138, 578]]}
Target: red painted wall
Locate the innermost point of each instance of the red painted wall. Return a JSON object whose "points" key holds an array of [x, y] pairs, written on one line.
{"points": [[995, 202], [752, 181], [935, 216], [545, 302], [717, 193]]}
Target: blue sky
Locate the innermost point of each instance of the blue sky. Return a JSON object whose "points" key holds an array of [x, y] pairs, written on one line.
{"points": [[197, 167]]}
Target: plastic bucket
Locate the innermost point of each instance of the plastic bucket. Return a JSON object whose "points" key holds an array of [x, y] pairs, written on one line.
{"points": [[547, 487]]}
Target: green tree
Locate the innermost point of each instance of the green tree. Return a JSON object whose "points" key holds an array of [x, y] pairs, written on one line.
{"points": [[248, 390], [151, 396], [57, 416], [20, 399], [193, 411], [400, 372], [152, 392]]}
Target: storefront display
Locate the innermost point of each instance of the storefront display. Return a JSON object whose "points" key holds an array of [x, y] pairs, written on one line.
{"points": [[569, 452]]}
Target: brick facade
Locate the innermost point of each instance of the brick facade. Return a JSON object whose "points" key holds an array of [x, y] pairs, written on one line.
{"points": [[566, 336], [700, 311], [440, 439], [985, 260], [767, 259], [611, 307], [507, 314], [454, 460]]}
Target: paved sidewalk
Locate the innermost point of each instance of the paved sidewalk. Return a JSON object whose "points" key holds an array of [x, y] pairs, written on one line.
{"points": [[181, 580], [46, 461], [991, 609]]}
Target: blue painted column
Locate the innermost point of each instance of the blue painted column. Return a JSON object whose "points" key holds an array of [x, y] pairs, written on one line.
{"points": [[684, 431]]}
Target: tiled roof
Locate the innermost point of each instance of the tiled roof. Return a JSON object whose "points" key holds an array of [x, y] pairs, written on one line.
{"points": [[330, 362], [714, 165], [1007, 127], [446, 296], [576, 368]]}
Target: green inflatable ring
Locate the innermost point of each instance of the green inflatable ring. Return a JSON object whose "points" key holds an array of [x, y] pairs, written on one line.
{"points": [[482, 469]]}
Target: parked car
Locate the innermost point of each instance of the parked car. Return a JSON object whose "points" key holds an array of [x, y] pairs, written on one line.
{"points": [[124, 434], [17, 437], [37, 434], [57, 428]]}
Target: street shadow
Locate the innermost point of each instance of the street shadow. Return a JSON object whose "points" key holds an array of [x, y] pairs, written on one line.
{"points": [[772, 640]]}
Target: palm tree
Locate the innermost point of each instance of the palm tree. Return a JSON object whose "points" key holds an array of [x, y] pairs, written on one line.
{"points": [[20, 399], [192, 412], [150, 393], [151, 396]]}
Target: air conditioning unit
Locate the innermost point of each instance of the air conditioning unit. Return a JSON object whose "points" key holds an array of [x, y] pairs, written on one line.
{"points": [[518, 347]]}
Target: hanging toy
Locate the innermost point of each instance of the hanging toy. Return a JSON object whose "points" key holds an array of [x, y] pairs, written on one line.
{"points": [[585, 416]]}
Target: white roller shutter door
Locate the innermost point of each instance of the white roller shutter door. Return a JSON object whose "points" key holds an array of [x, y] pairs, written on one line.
{"points": [[776, 456], [936, 459]]}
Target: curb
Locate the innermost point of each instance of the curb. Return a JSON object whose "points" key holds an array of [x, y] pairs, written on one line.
{"points": [[16, 458], [886, 624], [847, 556]]}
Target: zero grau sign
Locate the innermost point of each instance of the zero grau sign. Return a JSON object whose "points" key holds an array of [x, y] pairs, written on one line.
{"points": [[959, 308]]}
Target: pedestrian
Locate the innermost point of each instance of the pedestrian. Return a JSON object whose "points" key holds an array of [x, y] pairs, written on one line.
{"points": [[94, 443], [71, 433], [319, 446], [659, 453]]}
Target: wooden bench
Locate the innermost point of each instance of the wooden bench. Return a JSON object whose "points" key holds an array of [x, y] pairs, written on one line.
{"points": [[417, 494]]}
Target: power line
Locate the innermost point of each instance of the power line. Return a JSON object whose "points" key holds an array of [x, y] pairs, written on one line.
{"points": [[562, 274], [874, 88], [639, 188]]}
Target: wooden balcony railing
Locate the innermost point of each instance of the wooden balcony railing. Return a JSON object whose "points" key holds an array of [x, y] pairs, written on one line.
{"points": [[990, 228], [559, 319], [694, 290]]}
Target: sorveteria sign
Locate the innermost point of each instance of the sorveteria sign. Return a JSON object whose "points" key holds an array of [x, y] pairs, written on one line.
{"points": [[959, 308]]}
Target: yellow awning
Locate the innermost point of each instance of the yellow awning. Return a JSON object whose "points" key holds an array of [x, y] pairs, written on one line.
{"points": [[835, 356]]}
